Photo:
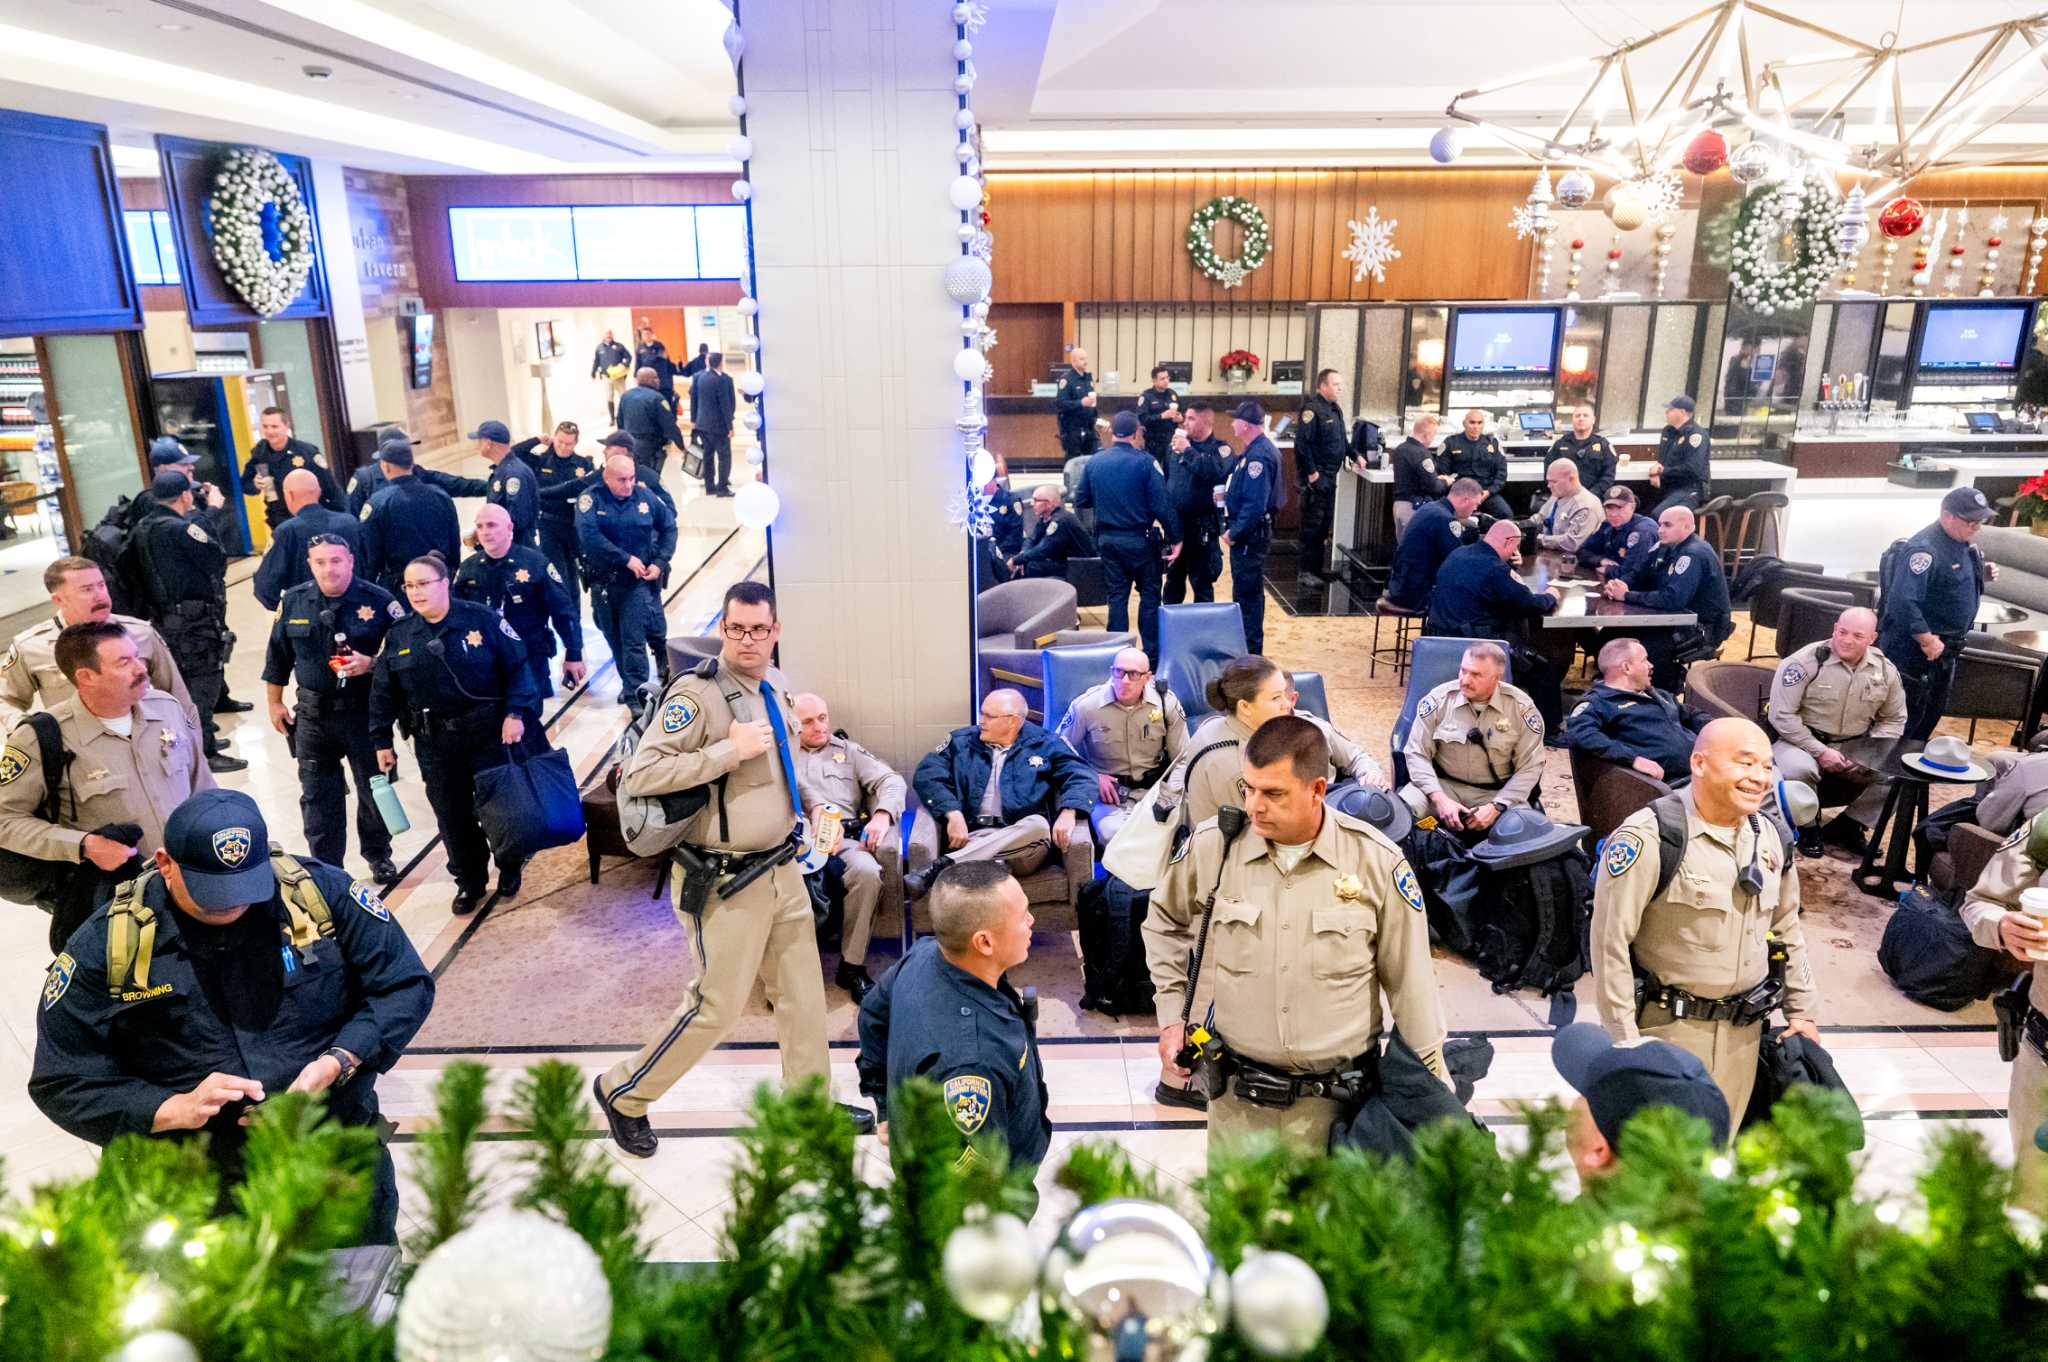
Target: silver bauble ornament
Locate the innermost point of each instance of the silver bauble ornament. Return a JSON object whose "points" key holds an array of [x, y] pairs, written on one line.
{"points": [[1574, 188], [1278, 1303], [515, 1287], [735, 43], [990, 1267], [1124, 1269], [968, 279], [1751, 163], [158, 1345], [742, 190], [1447, 145], [752, 383], [740, 148], [747, 307], [751, 418]]}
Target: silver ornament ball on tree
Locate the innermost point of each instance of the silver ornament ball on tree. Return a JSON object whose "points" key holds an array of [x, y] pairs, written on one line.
{"points": [[158, 1345], [1279, 1304], [990, 1266], [515, 1287], [968, 280], [1751, 163], [1574, 188], [1447, 145], [1137, 1274]]}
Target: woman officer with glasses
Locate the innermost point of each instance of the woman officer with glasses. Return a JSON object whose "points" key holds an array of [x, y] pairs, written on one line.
{"points": [[456, 676]]}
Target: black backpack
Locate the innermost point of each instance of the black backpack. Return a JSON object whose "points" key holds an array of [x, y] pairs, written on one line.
{"points": [[111, 546], [1533, 932], [1927, 950], [31, 879]]}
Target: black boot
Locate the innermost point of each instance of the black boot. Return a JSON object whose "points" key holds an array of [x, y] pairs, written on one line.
{"points": [[634, 1134], [854, 979], [1809, 842], [918, 883]]}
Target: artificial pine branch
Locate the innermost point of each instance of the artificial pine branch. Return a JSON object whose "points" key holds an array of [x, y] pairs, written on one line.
{"points": [[444, 1166]]}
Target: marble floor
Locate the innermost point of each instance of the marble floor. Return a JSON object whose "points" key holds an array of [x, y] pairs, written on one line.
{"points": [[610, 960]]}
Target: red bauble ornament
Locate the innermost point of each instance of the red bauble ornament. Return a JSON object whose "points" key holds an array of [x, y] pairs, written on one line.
{"points": [[1578, 243], [1955, 250], [1614, 253], [1994, 241], [1920, 263], [1706, 153], [1901, 217]]}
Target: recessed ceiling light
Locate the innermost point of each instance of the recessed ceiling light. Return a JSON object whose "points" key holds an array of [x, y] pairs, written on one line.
{"points": [[167, 28]]}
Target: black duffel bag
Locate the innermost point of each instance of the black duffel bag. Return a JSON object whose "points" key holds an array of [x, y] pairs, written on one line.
{"points": [[528, 803], [1929, 953]]}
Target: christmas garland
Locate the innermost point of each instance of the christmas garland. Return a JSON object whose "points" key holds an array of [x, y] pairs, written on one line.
{"points": [[1258, 239], [1683, 1253], [262, 234], [1806, 210]]}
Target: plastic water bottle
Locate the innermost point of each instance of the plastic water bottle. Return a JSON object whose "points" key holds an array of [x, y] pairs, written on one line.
{"points": [[388, 806], [1542, 575]]}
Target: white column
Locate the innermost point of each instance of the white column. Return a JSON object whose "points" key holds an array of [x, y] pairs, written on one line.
{"points": [[850, 110], [345, 297]]}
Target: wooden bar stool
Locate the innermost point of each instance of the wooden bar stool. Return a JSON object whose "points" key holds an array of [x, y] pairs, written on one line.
{"points": [[1406, 622], [1751, 516]]}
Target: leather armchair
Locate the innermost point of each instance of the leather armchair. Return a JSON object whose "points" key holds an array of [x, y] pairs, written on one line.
{"points": [[1609, 793], [1433, 662], [1970, 849], [1729, 690], [1807, 614], [1194, 643], [1053, 890]]}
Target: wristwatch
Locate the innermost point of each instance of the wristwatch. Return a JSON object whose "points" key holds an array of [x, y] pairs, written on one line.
{"points": [[348, 1062]]}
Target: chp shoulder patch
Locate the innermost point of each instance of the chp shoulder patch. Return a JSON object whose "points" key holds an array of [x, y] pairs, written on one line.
{"points": [[1426, 708], [1622, 850], [62, 970], [968, 1098], [678, 714], [1920, 562], [13, 761], [1533, 722], [1792, 675], [1406, 885], [366, 899]]}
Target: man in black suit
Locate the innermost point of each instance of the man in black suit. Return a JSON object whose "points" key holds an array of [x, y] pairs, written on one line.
{"points": [[714, 403]]}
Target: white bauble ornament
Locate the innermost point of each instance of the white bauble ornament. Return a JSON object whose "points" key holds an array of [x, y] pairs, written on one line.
{"points": [[963, 153], [751, 383], [1447, 145], [966, 232], [969, 366], [990, 1267], [751, 418], [970, 325], [979, 471], [961, 14], [964, 120], [1574, 188], [962, 50], [756, 456], [964, 193], [1135, 1267], [742, 190], [515, 1287], [747, 344], [980, 309], [735, 43], [1278, 1303], [1921, 278], [158, 1345], [740, 148], [963, 83], [748, 307], [755, 505], [968, 279], [737, 106], [1627, 212]]}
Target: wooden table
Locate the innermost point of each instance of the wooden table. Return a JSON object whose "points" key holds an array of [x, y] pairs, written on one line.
{"points": [[1583, 607]]}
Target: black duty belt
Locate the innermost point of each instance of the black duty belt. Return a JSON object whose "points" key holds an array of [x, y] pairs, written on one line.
{"points": [[336, 701], [1266, 1086], [1746, 1008], [2036, 1032], [433, 723]]}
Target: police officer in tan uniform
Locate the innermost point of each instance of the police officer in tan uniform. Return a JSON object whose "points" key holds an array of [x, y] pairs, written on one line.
{"points": [[838, 775], [79, 591], [1315, 913], [1995, 918], [1475, 749], [136, 754], [1704, 944], [1825, 694], [729, 723], [1568, 519], [1130, 729]]}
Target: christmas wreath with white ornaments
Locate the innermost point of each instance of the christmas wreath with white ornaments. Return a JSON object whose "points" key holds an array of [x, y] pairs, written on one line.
{"points": [[1801, 213], [262, 234], [1258, 239]]}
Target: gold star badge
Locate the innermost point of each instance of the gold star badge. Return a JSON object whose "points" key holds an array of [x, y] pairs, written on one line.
{"points": [[522, 575], [643, 508], [1349, 888], [365, 613], [167, 737], [474, 638]]}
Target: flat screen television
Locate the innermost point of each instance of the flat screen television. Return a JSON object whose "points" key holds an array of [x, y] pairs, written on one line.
{"points": [[1504, 342], [1986, 338], [420, 341]]}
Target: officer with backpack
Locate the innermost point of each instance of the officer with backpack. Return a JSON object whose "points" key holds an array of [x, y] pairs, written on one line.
{"points": [[186, 568], [1933, 582], [78, 589], [1999, 920], [228, 971], [1696, 937]]}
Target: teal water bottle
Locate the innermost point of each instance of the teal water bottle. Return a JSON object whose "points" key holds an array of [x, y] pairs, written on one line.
{"points": [[388, 807]]}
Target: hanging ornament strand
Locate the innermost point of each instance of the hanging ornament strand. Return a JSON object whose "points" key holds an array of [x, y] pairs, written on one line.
{"points": [[968, 281]]}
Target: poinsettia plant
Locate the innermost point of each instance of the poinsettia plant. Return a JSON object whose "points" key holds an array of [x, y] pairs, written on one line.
{"points": [[1239, 359], [2031, 503]]}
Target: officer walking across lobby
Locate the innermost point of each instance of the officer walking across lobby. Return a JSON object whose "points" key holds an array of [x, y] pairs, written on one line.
{"points": [[1321, 443], [727, 727], [185, 569], [405, 518], [519, 583], [276, 453], [556, 462], [626, 533], [326, 638], [1296, 1022], [224, 973], [1930, 604], [1128, 493], [512, 482], [1250, 500]]}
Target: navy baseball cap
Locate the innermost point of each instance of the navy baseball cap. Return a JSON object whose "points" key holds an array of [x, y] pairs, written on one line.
{"points": [[1124, 425], [1967, 503], [1618, 1081], [1618, 495], [1682, 402], [222, 847], [164, 452], [618, 439], [1251, 412], [494, 431], [393, 435], [397, 453], [169, 484]]}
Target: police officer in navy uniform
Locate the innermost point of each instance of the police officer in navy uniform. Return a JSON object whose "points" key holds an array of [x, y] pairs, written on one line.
{"points": [[512, 483], [1005, 513], [1320, 447], [1074, 407], [650, 419], [277, 453], [1418, 477], [232, 971], [948, 1013], [406, 518], [1685, 456], [1159, 412], [1128, 494], [1682, 573], [555, 462], [1474, 454], [1439, 529], [627, 534], [1056, 536], [519, 583], [1930, 604], [326, 638], [1624, 540], [284, 562], [1591, 451], [1477, 595], [185, 568], [1200, 464], [1249, 502], [369, 479], [455, 673], [1628, 721]]}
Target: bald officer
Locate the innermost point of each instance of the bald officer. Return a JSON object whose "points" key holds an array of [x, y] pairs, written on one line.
{"points": [[1473, 453], [79, 591], [729, 724], [1826, 694], [1692, 964], [1129, 728], [1315, 914], [1475, 749], [1993, 913], [837, 774]]}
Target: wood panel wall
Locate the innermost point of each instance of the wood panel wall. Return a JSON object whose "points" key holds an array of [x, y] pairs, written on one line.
{"points": [[1120, 236]]}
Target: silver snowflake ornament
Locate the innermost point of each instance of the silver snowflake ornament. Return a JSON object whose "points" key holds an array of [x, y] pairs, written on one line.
{"points": [[1659, 194], [1230, 274], [1528, 220], [1372, 245], [971, 513], [987, 339]]}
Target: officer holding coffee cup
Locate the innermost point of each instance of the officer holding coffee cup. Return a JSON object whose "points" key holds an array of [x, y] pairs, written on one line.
{"points": [[2007, 909]]}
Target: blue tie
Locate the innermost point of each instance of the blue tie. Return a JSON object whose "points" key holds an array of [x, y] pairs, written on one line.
{"points": [[782, 747]]}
